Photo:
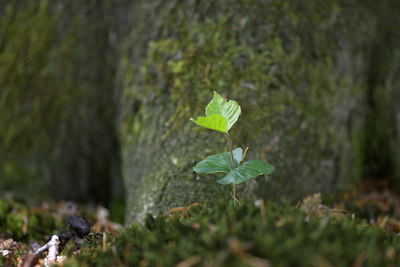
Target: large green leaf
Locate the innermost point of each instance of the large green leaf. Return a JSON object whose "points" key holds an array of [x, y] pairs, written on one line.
{"points": [[218, 110], [214, 122], [250, 169], [221, 162]]}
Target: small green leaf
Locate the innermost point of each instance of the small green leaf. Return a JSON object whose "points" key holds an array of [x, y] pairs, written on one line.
{"points": [[214, 122], [237, 155], [248, 170], [221, 115], [221, 162], [230, 110]]}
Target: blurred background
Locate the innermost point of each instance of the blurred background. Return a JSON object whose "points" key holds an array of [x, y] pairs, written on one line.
{"points": [[79, 80], [58, 123]]}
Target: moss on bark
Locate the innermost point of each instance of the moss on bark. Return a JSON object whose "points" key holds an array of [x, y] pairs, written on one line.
{"points": [[57, 126], [317, 83], [295, 69]]}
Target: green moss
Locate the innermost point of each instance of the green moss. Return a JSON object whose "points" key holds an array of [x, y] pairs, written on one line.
{"points": [[204, 56], [24, 223], [223, 236], [15, 225], [5, 208]]}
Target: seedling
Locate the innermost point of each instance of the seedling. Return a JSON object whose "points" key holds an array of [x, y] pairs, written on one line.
{"points": [[221, 115]]}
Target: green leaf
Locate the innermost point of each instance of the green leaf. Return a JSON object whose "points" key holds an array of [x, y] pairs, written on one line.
{"points": [[218, 111], [249, 169], [237, 155], [221, 162], [214, 122], [230, 110]]}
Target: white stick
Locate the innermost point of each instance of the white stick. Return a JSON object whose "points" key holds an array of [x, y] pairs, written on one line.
{"points": [[52, 246]]}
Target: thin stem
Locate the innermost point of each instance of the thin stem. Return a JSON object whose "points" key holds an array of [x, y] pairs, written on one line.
{"points": [[230, 149], [233, 195], [235, 200]]}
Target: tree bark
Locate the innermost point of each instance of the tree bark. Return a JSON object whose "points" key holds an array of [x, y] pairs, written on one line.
{"points": [[297, 70]]}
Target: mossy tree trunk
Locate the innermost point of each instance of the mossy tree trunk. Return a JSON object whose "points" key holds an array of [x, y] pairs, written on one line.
{"points": [[57, 104], [318, 84], [297, 70]]}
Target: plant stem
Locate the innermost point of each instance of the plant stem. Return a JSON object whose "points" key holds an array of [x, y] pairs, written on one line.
{"points": [[230, 149], [235, 201]]}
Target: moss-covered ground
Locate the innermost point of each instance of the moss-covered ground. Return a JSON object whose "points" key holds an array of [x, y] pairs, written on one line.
{"points": [[361, 231]]}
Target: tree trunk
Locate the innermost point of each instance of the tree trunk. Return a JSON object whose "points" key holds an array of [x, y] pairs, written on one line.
{"points": [[57, 103], [297, 70]]}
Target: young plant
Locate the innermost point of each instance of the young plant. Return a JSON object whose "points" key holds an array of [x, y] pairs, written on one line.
{"points": [[221, 115]]}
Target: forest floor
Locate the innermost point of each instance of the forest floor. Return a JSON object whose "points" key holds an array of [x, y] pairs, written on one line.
{"points": [[353, 228]]}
